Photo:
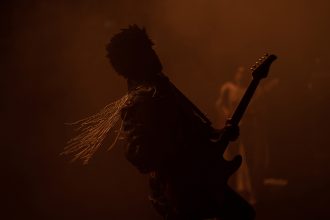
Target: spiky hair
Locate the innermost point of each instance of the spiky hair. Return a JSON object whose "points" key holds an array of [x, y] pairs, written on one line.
{"points": [[129, 50]]}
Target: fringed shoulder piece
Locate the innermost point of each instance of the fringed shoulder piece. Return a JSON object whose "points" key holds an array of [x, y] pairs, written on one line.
{"points": [[139, 95], [94, 129]]}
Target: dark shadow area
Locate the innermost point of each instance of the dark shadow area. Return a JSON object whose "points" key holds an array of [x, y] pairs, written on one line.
{"points": [[54, 71]]}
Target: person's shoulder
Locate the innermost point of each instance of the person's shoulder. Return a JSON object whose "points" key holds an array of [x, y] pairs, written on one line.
{"points": [[227, 86], [149, 99], [141, 94]]}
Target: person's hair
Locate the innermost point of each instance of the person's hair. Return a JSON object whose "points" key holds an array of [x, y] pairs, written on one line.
{"points": [[131, 55]]}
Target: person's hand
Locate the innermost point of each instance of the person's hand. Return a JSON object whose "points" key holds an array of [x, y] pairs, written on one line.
{"points": [[231, 131]]}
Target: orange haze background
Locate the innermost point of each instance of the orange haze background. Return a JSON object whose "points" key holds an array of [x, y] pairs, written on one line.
{"points": [[54, 70]]}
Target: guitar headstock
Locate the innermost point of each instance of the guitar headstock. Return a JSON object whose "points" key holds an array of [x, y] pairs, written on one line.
{"points": [[261, 67]]}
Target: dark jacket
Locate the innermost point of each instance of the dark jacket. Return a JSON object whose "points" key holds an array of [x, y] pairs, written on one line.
{"points": [[169, 139]]}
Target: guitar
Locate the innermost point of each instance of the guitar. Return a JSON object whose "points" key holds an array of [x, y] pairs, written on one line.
{"points": [[259, 71], [235, 207]]}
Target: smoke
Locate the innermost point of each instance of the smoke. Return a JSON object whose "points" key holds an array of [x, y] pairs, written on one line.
{"points": [[54, 70]]}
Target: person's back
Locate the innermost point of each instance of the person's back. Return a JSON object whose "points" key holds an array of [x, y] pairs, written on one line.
{"points": [[165, 138]]}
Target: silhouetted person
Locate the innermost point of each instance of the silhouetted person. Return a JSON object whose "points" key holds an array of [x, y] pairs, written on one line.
{"points": [[169, 138]]}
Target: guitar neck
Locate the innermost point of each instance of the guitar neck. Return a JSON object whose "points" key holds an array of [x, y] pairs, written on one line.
{"points": [[241, 108]]}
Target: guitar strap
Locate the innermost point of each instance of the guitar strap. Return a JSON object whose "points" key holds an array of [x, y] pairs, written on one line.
{"points": [[187, 102]]}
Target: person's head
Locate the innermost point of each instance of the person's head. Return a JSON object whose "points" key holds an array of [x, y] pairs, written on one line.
{"points": [[131, 55], [240, 76]]}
